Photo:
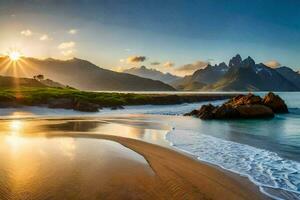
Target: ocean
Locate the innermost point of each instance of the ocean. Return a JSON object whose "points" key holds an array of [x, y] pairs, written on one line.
{"points": [[266, 151]]}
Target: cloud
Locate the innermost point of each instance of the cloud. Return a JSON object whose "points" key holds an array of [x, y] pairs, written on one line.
{"points": [[26, 33], [73, 31], [44, 37], [190, 68], [136, 59], [155, 63], [168, 64], [67, 45], [272, 64], [67, 53]]}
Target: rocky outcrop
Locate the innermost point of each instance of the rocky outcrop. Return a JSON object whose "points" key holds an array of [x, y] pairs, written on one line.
{"points": [[85, 106], [274, 102], [66, 103], [243, 106], [70, 103]]}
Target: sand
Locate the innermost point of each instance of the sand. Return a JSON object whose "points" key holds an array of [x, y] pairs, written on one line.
{"points": [[176, 176], [163, 173]]}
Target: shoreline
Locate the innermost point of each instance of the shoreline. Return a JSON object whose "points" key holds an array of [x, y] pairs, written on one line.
{"points": [[182, 175], [94, 101]]}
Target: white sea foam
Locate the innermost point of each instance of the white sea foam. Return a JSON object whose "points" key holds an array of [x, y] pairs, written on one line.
{"points": [[277, 177]]}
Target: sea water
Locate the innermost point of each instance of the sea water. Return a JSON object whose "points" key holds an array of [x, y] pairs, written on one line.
{"points": [[266, 151]]}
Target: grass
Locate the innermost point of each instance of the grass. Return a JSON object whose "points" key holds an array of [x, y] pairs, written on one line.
{"points": [[35, 96]]}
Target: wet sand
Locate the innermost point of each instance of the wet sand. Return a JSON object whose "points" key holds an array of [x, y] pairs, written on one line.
{"points": [[91, 165]]}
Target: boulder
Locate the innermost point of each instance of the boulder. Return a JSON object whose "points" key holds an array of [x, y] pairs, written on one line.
{"points": [[85, 106], [206, 112], [254, 111], [274, 102], [117, 107], [243, 106], [226, 111], [66, 103], [249, 99]]}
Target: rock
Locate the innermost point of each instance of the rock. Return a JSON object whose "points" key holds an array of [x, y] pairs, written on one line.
{"points": [[226, 111], [116, 107], [249, 99], [254, 111], [274, 102], [66, 103], [86, 106], [243, 106], [206, 112]]}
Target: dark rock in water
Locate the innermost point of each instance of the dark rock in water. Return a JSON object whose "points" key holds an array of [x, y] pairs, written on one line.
{"points": [[206, 112], [86, 106], [249, 99], [116, 107], [243, 106], [66, 103], [274, 102], [255, 111], [226, 111]]}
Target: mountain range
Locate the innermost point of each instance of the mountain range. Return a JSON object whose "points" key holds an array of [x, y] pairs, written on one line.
{"points": [[80, 74], [152, 74], [240, 75], [237, 75]]}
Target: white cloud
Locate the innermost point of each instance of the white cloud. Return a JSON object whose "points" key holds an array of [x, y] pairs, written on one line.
{"points": [[73, 31], [168, 64], [26, 33], [67, 45], [44, 37], [67, 53], [272, 63]]}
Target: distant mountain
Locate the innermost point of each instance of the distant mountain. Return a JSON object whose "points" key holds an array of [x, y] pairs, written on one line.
{"points": [[152, 74], [241, 75], [80, 74], [289, 74]]}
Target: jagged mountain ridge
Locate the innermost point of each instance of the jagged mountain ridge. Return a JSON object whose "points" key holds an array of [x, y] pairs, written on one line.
{"points": [[241, 75]]}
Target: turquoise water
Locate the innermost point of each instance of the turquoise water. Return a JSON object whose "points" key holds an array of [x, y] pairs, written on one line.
{"points": [[266, 151]]}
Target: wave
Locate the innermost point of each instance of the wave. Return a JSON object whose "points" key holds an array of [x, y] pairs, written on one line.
{"points": [[277, 177]]}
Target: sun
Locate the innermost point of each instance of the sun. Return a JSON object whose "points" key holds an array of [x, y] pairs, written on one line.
{"points": [[14, 55]]}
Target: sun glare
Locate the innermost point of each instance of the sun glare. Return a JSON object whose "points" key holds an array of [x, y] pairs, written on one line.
{"points": [[14, 55]]}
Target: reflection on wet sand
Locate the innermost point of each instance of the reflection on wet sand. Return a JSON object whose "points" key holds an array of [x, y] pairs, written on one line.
{"points": [[84, 159], [67, 168], [35, 165], [125, 127]]}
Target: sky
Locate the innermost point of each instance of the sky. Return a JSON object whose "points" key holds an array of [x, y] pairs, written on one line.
{"points": [[170, 35]]}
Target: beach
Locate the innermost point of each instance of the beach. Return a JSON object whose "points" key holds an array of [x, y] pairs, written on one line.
{"points": [[106, 158]]}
